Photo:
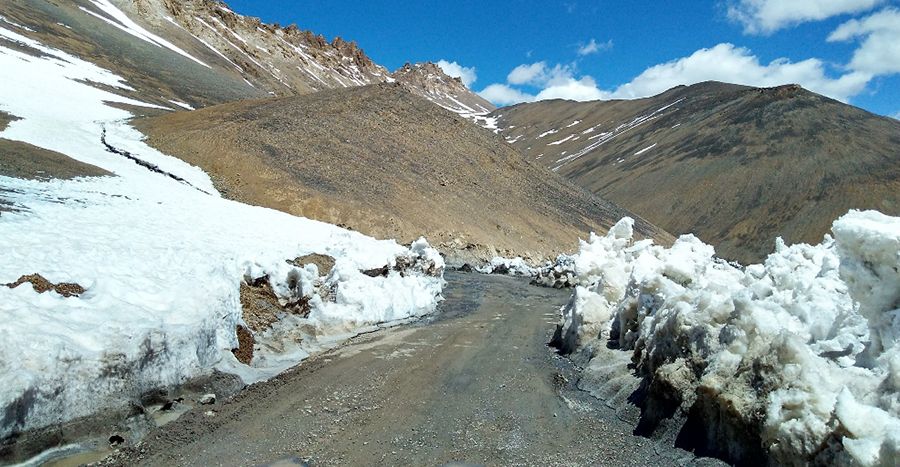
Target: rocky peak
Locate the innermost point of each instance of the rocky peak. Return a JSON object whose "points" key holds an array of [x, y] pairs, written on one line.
{"points": [[278, 60], [429, 80]]}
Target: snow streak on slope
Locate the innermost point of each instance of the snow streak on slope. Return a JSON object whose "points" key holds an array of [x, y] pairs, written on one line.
{"points": [[605, 137], [121, 21], [161, 261], [797, 356]]}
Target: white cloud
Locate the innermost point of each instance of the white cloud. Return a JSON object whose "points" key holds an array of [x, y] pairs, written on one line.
{"points": [[593, 47], [879, 53], [466, 74], [724, 62], [896, 116], [581, 89], [501, 94], [557, 82], [527, 74], [767, 16], [731, 64], [541, 76]]}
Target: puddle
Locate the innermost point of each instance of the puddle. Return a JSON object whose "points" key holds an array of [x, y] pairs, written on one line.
{"points": [[91, 451], [72, 455]]}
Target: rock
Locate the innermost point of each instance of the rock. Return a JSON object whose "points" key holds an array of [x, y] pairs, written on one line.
{"points": [[377, 272], [116, 440], [208, 399]]}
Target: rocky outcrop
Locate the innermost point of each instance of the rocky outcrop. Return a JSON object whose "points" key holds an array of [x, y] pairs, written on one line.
{"points": [[430, 81], [279, 60]]}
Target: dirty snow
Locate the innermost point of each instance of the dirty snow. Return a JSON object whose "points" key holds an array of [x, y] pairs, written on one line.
{"points": [[797, 356], [508, 266], [160, 259]]}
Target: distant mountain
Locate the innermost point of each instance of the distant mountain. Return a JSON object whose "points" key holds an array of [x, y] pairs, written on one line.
{"points": [[735, 165], [381, 160], [195, 53]]}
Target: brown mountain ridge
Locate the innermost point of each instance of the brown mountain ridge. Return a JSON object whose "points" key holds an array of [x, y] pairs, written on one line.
{"points": [[736, 165], [388, 163]]}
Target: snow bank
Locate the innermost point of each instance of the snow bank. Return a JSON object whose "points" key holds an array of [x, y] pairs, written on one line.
{"points": [[161, 256], [795, 357]]}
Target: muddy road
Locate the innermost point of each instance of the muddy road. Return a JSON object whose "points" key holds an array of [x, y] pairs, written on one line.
{"points": [[477, 384]]}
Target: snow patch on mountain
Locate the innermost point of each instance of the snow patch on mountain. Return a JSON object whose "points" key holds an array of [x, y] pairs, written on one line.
{"points": [[121, 21]]}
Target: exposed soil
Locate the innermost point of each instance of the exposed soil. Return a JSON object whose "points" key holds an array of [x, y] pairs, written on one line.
{"points": [[260, 305], [324, 263], [477, 386], [382, 161], [244, 352], [737, 166], [22, 160], [42, 285]]}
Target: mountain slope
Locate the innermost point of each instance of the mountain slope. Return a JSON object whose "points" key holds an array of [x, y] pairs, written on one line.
{"points": [[735, 165], [195, 53], [383, 161]]}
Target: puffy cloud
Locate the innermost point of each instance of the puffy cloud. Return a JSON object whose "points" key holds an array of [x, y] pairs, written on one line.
{"points": [[557, 82], [539, 74], [455, 70], [767, 16], [879, 53], [501, 94], [731, 64], [527, 73], [724, 62], [593, 47], [582, 89]]}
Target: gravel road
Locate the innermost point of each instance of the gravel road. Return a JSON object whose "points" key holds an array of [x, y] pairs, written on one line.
{"points": [[475, 385]]}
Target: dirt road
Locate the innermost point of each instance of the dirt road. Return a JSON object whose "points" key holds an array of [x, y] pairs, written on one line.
{"points": [[474, 385]]}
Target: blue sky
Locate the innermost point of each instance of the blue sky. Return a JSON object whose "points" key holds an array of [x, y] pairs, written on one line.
{"points": [[526, 50]]}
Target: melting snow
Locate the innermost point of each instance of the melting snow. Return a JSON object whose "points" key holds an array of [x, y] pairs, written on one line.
{"points": [[798, 352], [161, 261]]}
